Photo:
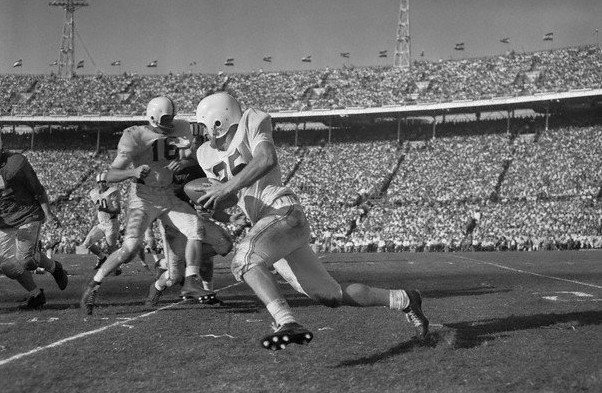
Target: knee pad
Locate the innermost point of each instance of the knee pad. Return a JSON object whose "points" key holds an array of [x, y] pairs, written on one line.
{"points": [[12, 269]]}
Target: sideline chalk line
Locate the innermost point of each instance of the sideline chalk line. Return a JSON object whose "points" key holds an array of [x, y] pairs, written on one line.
{"points": [[122, 322], [528, 272]]}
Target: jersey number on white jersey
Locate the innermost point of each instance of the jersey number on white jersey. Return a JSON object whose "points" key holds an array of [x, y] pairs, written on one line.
{"points": [[165, 148], [225, 170]]}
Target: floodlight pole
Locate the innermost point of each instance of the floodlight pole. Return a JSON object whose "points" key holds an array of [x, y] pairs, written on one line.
{"points": [[66, 60], [402, 47]]}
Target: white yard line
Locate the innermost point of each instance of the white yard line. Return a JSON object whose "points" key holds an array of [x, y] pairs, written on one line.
{"points": [[122, 322], [528, 272]]}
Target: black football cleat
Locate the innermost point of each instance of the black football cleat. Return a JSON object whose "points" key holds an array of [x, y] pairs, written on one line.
{"points": [[415, 316], [193, 289], [34, 302], [60, 276], [88, 299], [286, 334], [154, 295]]}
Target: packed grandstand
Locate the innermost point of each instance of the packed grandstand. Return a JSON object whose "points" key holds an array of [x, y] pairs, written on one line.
{"points": [[531, 189]]}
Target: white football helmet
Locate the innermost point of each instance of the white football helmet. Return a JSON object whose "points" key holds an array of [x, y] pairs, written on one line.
{"points": [[217, 113], [160, 113]]}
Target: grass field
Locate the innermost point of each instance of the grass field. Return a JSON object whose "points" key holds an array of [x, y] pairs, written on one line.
{"points": [[501, 322]]}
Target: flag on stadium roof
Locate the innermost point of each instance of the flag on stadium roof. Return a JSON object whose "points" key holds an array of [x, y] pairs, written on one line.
{"points": [[459, 46], [54, 63], [80, 64], [306, 59], [505, 40], [152, 64], [18, 63], [422, 54], [548, 37], [345, 54], [382, 53], [267, 59], [116, 63], [192, 64], [229, 62]]}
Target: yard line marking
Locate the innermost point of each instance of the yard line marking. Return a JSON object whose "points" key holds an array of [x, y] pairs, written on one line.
{"points": [[528, 272], [95, 331]]}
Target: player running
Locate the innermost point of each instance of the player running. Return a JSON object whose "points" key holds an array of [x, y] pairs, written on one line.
{"points": [[156, 151], [107, 201], [241, 155], [23, 209]]}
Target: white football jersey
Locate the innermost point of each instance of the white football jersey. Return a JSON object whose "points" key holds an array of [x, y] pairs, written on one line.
{"points": [[254, 128], [140, 145], [107, 203]]}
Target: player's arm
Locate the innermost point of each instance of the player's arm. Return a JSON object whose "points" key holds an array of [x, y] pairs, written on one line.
{"points": [[264, 160], [39, 192], [121, 170]]}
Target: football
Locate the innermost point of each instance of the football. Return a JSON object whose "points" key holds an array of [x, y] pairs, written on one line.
{"points": [[194, 189]]}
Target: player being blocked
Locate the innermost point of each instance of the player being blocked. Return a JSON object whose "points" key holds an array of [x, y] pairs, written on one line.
{"points": [[217, 241], [240, 154], [149, 155]]}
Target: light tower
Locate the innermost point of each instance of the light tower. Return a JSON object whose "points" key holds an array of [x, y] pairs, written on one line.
{"points": [[66, 60], [402, 47]]}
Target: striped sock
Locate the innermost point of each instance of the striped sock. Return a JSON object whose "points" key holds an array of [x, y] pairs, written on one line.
{"points": [[398, 299]]}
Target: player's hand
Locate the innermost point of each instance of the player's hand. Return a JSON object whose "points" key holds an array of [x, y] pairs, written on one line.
{"points": [[141, 172], [175, 165], [213, 195], [202, 212]]}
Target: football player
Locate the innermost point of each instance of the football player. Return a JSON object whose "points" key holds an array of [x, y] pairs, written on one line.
{"points": [[240, 154], [149, 155], [217, 241], [107, 201], [23, 209]]}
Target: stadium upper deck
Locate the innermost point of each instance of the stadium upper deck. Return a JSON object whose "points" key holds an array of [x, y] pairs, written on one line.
{"points": [[344, 89]]}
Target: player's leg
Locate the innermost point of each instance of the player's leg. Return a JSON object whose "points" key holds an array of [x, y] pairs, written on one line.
{"points": [[26, 248], [270, 239], [12, 269], [139, 218], [183, 217], [94, 236], [174, 244]]}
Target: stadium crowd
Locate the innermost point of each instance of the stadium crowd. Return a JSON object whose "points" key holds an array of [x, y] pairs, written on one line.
{"points": [[382, 196], [464, 79]]}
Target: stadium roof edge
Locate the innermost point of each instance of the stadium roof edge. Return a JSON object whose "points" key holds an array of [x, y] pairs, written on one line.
{"points": [[402, 110]]}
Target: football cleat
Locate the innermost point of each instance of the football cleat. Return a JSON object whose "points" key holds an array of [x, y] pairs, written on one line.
{"points": [[99, 262], [154, 295], [118, 271], [283, 335], [193, 289], [89, 297], [34, 302], [415, 316], [60, 276]]}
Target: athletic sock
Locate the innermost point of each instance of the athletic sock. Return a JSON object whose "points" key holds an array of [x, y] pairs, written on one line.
{"points": [[398, 299], [280, 311], [192, 271]]}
